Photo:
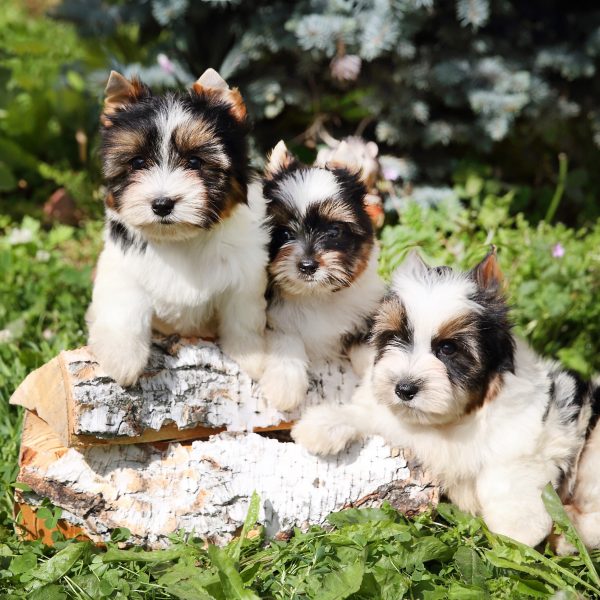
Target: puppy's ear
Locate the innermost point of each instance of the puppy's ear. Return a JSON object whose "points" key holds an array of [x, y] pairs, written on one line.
{"points": [[212, 86], [280, 159], [120, 92], [487, 273], [372, 149], [343, 157], [413, 265], [346, 157]]}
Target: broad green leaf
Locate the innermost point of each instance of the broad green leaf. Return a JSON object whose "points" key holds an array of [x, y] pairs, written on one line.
{"points": [[519, 553], [19, 485], [251, 519], [557, 511], [453, 515], [539, 572], [533, 588], [24, 563], [352, 516], [89, 583], [188, 589], [470, 566], [341, 584], [429, 548], [60, 564], [116, 555], [391, 582], [459, 591], [120, 534], [188, 582], [48, 592], [231, 580]]}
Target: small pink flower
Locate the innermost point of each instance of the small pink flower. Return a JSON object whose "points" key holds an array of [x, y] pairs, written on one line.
{"points": [[165, 64], [391, 173], [346, 67], [558, 250]]}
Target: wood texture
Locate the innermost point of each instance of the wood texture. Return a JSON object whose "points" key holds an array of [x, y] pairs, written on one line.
{"points": [[205, 486], [190, 390]]}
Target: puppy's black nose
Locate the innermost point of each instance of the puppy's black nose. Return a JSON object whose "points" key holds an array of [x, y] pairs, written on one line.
{"points": [[406, 391], [162, 206], [308, 266]]}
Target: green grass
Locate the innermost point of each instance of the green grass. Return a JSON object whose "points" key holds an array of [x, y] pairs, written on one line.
{"points": [[45, 287]]}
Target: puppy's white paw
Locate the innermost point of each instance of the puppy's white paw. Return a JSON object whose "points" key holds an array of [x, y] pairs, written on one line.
{"points": [[530, 529], [123, 358], [248, 351], [253, 364], [322, 431], [285, 385]]}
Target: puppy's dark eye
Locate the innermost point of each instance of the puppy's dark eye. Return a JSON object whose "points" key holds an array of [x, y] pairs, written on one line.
{"points": [[194, 163], [287, 235], [283, 235], [137, 163], [446, 348], [334, 232]]}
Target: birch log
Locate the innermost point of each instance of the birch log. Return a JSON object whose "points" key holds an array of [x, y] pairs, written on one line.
{"points": [[189, 390], [205, 486]]}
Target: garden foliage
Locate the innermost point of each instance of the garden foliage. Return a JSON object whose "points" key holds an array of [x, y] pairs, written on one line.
{"points": [[48, 116], [431, 80], [363, 554]]}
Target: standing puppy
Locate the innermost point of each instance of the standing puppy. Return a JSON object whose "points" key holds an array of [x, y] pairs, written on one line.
{"points": [[490, 419], [324, 285], [185, 251]]}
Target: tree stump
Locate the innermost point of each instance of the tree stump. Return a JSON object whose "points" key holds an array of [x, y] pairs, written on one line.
{"points": [[186, 447]]}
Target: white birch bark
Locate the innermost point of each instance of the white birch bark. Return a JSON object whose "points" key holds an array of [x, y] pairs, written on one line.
{"points": [[187, 385], [205, 486]]}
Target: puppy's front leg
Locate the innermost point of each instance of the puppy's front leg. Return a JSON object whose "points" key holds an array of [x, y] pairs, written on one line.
{"points": [[511, 502], [242, 327], [329, 428], [285, 380], [120, 319]]}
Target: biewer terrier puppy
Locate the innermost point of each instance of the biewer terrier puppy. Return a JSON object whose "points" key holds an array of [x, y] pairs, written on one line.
{"points": [[492, 421], [185, 249], [323, 282]]}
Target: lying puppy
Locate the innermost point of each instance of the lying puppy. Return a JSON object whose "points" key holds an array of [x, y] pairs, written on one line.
{"points": [[492, 421], [324, 285], [184, 250]]}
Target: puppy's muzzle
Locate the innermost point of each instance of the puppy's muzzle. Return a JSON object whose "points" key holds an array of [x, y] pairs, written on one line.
{"points": [[163, 206], [406, 391]]}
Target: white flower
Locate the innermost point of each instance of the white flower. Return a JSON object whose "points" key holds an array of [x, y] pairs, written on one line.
{"points": [[20, 236]]}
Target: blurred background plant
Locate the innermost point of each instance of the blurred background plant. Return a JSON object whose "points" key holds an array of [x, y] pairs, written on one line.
{"points": [[48, 115], [497, 82]]}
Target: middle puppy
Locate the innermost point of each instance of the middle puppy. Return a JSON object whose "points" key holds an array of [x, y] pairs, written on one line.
{"points": [[324, 284]]}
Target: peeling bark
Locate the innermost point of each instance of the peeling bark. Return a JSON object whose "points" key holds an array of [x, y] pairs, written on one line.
{"points": [[189, 390], [205, 486]]}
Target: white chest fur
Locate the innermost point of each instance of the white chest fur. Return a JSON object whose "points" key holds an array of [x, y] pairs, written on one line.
{"points": [[185, 281], [213, 284]]}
